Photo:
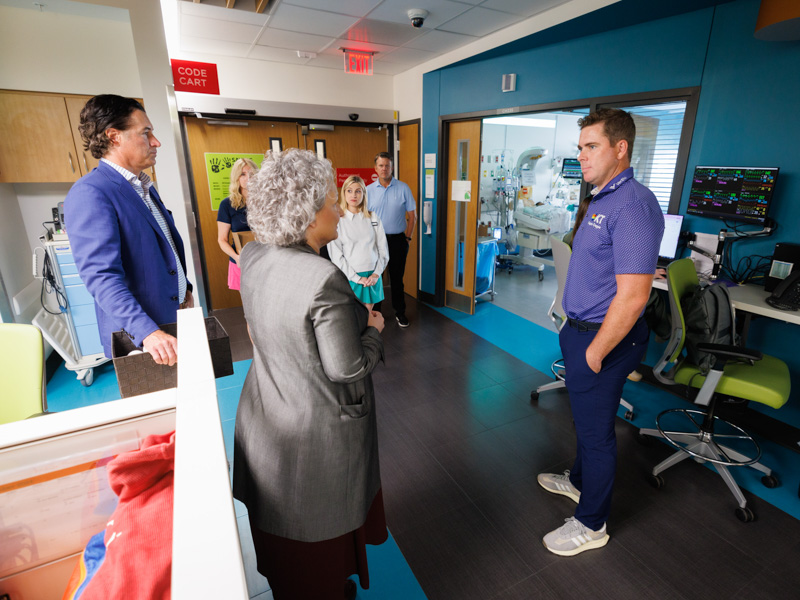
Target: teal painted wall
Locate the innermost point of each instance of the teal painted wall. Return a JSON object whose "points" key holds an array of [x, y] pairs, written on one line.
{"points": [[747, 114]]}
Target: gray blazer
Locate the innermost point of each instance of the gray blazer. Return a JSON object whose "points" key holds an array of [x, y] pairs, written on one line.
{"points": [[306, 446]]}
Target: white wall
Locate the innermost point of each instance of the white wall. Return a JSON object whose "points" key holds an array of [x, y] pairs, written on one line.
{"points": [[51, 52], [15, 254], [278, 82]]}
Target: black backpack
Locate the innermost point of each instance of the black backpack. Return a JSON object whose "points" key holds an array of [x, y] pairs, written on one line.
{"points": [[708, 315]]}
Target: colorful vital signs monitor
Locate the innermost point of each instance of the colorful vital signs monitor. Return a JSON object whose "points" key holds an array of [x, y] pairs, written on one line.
{"points": [[735, 193], [571, 169]]}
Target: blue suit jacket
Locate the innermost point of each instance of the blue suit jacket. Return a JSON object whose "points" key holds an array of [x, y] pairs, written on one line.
{"points": [[122, 255]]}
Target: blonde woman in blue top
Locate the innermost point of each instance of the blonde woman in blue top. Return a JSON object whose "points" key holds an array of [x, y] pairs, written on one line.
{"points": [[232, 216], [360, 251]]}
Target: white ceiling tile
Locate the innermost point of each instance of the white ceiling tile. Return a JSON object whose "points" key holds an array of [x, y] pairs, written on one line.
{"points": [[384, 68], [525, 8], [440, 11], [382, 32], [306, 20], [440, 41], [278, 38], [236, 14], [276, 55], [355, 8], [365, 46], [480, 21], [206, 46], [328, 61], [227, 31], [409, 56]]}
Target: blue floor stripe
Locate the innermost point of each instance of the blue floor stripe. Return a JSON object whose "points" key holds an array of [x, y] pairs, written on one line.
{"points": [[515, 334]]}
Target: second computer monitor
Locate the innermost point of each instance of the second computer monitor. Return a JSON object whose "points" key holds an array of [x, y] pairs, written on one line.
{"points": [[672, 233]]}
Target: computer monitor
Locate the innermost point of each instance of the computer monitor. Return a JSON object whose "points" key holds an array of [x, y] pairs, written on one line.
{"points": [[735, 193], [571, 169], [669, 242], [497, 233]]}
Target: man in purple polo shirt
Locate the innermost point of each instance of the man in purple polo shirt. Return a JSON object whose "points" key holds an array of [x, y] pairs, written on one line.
{"points": [[610, 274]]}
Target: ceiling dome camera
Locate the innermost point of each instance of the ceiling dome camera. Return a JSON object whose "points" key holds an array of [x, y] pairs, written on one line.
{"points": [[353, 116], [417, 16]]}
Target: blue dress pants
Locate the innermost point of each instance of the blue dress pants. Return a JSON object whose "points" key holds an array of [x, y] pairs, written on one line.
{"points": [[594, 398]]}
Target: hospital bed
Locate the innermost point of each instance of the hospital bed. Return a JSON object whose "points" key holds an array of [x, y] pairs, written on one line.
{"points": [[532, 229]]}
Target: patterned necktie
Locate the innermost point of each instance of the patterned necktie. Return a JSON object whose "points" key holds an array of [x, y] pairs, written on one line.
{"points": [[159, 217]]}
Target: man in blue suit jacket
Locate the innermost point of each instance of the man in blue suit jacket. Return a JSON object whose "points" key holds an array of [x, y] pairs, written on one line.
{"points": [[126, 247]]}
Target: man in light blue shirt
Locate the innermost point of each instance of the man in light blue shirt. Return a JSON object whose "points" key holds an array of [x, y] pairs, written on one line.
{"points": [[614, 254], [392, 200]]}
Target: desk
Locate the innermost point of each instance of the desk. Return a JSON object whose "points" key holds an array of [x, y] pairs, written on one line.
{"points": [[751, 300]]}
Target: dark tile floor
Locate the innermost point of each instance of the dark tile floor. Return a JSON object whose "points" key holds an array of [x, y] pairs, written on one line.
{"points": [[461, 445]]}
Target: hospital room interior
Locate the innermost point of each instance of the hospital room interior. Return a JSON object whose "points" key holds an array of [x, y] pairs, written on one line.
{"points": [[479, 104]]}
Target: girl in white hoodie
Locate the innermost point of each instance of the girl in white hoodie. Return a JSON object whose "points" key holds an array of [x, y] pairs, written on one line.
{"points": [[360, 251]]}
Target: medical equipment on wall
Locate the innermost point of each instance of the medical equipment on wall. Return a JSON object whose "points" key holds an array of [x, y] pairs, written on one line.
{"points": [[427, 215]]}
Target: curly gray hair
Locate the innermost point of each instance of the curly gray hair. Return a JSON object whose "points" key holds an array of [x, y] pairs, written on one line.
{"points": [[286, 194]]}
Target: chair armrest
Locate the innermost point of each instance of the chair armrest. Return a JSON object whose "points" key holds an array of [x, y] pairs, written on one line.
{"points": [[722, 351]]}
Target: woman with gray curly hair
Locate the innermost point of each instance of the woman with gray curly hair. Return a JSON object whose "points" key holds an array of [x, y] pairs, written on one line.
{"points": [[305, 445]]}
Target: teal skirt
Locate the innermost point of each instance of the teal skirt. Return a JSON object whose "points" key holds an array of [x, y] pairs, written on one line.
{"points": [[370, 294]]}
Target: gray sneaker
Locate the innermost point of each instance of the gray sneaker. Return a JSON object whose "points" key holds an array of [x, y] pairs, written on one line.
{"points": [[573, 537], [559, 484]]}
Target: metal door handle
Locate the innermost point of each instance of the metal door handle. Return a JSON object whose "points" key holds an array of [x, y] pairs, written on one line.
{"points": [[71, 164]]}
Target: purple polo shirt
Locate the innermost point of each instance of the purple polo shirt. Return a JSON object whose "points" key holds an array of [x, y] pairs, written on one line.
{"points": [[620, 234]]}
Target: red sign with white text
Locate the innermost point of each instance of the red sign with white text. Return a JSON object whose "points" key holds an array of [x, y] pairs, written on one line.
{"points": [[359, 63], [368, 175], [197, 77]]}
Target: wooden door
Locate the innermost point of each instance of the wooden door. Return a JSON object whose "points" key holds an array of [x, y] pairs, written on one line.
{"points": [[408, 172], [463, 166], [36, 142], [202, 137]]}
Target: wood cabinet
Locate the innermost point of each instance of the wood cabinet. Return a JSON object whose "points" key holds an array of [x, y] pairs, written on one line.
{"points": [[36, 141], [75, 105], [39, 138]]}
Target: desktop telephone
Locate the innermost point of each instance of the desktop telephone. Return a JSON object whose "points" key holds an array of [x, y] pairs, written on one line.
{"points": [[786, 295]]}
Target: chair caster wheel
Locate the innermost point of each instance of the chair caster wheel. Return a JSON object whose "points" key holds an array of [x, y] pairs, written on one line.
{"points": [[745, 515], [534, 396], [644, 440], [629, 415], [541, 276], [770, 481], [656, 481]]}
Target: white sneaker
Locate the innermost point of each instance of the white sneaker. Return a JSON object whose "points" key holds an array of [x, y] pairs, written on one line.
{"points": [[573, 537], [559, 484]]}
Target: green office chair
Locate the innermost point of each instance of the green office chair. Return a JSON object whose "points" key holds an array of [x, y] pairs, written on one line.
{"points": [[738, 373], [22, 388]]}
